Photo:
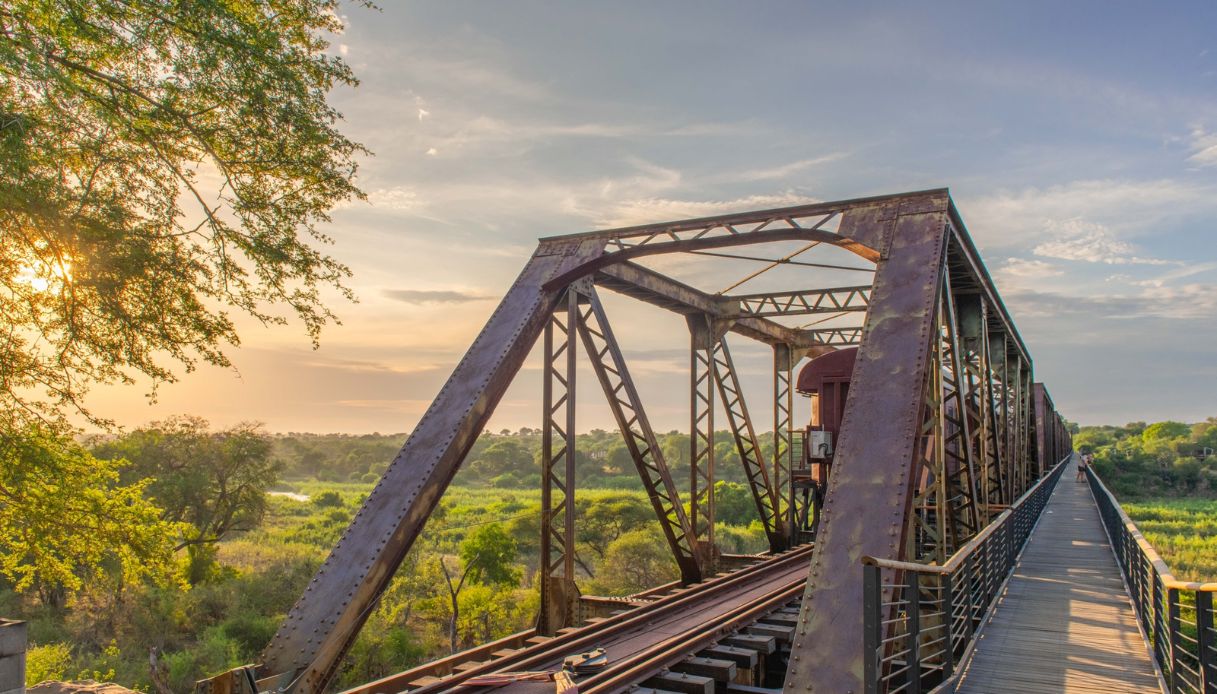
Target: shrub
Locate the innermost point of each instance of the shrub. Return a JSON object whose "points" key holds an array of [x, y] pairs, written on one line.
{"points": [[49, 662]]}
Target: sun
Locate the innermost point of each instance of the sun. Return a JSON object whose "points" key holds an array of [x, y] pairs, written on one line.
{"points": [[47, 277]]}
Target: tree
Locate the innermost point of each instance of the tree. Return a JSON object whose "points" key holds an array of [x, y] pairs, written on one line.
{"points": [[606, 518], [637, 560], [1165, 430], [64, 516], [487, 557], [160, 166], [214, 483]]}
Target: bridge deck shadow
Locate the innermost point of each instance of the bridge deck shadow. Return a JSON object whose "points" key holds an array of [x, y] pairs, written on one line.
{"points": [[1065, 622]]}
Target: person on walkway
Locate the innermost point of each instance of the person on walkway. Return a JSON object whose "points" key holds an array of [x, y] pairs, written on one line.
{"points": [[1083, 463]]}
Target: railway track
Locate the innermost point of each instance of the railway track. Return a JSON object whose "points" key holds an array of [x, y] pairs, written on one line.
{"points": [[734, 629]]}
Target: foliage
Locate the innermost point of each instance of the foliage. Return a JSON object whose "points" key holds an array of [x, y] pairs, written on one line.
{"points": [[1164, 459], [160, 166], [65, 517], [637, 560], [215, 482], [1184, 533], [52, 661], [489, 552]]}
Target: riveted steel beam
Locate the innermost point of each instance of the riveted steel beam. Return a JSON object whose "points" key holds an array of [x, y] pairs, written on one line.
{"points": [[873, 477], [323, 623], [559, 592], [746, 443], [626, 405], [806, 302]]}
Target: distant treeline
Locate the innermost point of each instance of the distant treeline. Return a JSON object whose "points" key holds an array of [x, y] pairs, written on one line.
{"points": [[508, 460], [1164, 459]]}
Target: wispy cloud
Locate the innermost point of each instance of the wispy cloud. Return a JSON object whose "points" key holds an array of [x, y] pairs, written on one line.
{"points": [[1091, 242], [433, 296], [784, 170], [1204, 147]]}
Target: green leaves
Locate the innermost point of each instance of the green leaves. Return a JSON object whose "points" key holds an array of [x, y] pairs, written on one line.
{"points": [[160, 166], [64, 516]]}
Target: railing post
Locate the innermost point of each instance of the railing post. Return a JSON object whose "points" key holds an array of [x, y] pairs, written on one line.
{"points": [[1011, 520], [1204, 639], [1174, 679], [912, 584], [948, 607], [1156, 600], [872, 619], [968, 567]]}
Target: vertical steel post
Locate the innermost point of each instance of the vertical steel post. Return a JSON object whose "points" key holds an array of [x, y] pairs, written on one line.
{"points": [[559, 593], [1175, 676], [872, 630], [911, 584], [948, 609], [1204, 640], [783, 453], [701, 438]]}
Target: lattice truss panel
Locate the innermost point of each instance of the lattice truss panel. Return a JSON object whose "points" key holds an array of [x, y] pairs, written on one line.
{"points": [[936, 436]]}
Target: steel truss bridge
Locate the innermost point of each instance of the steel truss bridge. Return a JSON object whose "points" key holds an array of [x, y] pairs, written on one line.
{"points": [[876, 579]]}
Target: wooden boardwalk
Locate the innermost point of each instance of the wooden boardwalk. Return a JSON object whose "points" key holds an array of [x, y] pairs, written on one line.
{"points": [[1065, 622]]}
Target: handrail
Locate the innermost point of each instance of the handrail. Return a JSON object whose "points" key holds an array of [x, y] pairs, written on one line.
{"points": [[922, 621], [1177, 617], [956, 560], [1164, 570]]}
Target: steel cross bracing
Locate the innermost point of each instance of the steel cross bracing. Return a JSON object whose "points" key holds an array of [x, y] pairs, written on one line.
{"points": [[622, 394], [727, 378], [937, 430]]}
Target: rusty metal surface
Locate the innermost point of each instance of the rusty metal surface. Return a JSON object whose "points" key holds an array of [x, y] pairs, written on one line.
{"points": [[870, 484], [746, 443], [626, 405], [559, 593], [942, 397], [327, 617]]}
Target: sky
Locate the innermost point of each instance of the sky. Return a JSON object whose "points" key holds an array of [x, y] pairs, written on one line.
{"points": [[1079, 142]]}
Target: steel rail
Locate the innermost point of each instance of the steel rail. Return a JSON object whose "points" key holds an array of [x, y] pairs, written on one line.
{"points": [[676, 648], [590, 636]]}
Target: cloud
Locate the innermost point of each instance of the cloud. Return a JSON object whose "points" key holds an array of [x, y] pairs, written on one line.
{"points": [[423, 113], [1204, 147], [1022, 218], [780, 172], [397, 198], [651, 210], [1029, 269], [1090, 242], [1188, 302], [433, 296]]}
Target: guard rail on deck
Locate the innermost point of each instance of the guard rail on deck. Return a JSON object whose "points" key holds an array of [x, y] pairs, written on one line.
{"points": [[1177, 616], [914, 641]]}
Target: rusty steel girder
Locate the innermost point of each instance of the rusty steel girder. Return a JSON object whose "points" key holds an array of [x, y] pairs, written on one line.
{"points": [[872, 485]]}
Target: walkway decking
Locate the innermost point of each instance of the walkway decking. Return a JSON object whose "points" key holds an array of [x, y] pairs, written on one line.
{"points": [[1065, 622]]}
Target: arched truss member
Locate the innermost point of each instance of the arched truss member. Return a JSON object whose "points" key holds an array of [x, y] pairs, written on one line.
{"points": [[902, 443]]}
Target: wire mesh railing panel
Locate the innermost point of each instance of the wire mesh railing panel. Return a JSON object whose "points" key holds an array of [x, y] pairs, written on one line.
{"points": [[920, 619], [1177, 616]]}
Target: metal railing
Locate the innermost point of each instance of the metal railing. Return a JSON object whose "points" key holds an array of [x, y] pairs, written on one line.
{"points": [[920, 620], [1177, 616]]}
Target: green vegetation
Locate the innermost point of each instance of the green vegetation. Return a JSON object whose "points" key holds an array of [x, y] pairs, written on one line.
{"points": [[247, 518], [1162, 460], [1184, 532], [1165, 476]]}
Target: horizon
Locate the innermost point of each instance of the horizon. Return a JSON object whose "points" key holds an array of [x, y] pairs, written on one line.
{"points": [[1083, 166]]}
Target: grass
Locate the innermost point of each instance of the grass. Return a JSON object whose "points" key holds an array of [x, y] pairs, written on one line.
{"points": [[1183, 531]]}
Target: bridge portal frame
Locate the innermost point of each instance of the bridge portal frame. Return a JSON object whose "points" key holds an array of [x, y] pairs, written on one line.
{"points": [[918, 244]]}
